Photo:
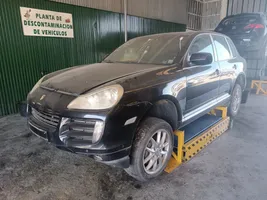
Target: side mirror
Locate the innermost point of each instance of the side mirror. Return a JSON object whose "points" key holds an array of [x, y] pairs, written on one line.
{"points": [[201, 58]]}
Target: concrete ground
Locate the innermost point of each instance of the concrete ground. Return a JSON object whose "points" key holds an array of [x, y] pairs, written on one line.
{"points": [[233, 167]]}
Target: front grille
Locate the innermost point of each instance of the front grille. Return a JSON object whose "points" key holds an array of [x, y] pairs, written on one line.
{"points": [[46, 118], [39, 132]]}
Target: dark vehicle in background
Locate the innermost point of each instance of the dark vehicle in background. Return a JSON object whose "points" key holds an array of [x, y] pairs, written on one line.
{"points": [[248, 32], [123, 111]]}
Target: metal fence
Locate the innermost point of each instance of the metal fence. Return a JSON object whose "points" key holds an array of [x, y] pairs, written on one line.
{"points": [[204, 14]]}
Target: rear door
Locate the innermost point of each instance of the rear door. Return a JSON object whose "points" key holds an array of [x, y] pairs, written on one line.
{"points": [[227, 65], [203, 80]]}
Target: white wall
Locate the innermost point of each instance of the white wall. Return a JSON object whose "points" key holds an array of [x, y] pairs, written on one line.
{"points": [[166, 10]]}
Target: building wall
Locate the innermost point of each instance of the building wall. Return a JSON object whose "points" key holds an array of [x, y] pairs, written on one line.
{"points": [[24, 59], [211, 14], [167, 10], [224, 8], [243, 6], [205, 14]]}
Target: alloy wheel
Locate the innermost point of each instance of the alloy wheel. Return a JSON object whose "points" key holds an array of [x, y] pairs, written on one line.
{"points": [[156, 152], [236, 99]]}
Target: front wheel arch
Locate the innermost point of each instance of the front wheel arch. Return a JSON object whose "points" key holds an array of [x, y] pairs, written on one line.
{"points": [[166, 110]]}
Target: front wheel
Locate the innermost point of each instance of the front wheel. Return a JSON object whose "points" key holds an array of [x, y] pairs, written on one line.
{"points": [[152, 149], [235, 102]]}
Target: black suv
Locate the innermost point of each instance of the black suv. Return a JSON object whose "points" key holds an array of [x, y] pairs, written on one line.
{"points": [[248, 32], [123, 111]]}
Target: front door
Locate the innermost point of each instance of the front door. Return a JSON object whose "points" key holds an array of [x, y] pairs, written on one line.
{"points": [[202, 80]]}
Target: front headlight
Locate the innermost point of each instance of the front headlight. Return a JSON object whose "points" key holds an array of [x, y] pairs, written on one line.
{"points": [[37, 85], [100, 99]]}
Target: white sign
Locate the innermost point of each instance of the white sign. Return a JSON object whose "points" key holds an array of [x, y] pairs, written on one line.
{"points": [[46, 23]]}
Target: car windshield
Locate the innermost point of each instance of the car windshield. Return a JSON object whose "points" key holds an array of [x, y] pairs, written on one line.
{"points": [[154, 49], [239, 24]]}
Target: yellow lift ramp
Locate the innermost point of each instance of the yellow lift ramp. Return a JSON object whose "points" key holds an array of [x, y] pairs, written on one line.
{"points": [[193, 138]]}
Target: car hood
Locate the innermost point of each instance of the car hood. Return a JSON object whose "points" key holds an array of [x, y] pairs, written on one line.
{"points": [[79, 80]]}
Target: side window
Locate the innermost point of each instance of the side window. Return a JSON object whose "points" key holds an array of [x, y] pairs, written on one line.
{"points": [[222, 48], [202, 44], [233, 48]]}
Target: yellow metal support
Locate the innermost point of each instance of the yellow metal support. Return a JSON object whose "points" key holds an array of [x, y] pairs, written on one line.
{"points": [[224, 111], [185, 151], [258, 85], [212, 112], [177, 156], [194, 146]]}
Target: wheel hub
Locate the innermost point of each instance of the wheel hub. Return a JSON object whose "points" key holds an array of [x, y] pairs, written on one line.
{"points": [[158, 152]]}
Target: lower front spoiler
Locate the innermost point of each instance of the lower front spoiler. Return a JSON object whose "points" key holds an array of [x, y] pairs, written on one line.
{"points": [[119, 158], [120, 163]]}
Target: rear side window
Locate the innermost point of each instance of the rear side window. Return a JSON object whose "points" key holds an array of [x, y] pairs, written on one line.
{"points": [[233, 48], [222, 48]]}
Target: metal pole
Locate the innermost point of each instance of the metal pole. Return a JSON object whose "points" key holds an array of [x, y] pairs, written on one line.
{"points": [[125, 20]]}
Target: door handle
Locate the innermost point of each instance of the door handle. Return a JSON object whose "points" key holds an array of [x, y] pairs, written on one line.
{"points": [[217, 72], [234, 67]]}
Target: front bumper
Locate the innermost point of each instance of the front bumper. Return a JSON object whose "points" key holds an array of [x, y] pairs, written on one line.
{"points": [[116, 156], [114, 146]]}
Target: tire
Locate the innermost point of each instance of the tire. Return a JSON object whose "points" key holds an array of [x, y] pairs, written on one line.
{"points": [[139, 167], [235, 102]]}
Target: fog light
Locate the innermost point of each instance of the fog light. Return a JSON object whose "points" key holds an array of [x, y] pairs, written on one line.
{"points": [[98, 131]]}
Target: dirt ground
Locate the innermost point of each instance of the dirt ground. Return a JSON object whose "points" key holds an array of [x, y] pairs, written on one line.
{"points": [[232, 167]]}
